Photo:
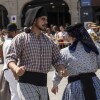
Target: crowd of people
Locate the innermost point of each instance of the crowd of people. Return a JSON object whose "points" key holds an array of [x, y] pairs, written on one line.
{"points": [[28, 55], [57, 34]]}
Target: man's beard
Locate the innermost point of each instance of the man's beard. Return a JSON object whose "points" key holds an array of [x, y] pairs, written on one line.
{"points": [[43, 28]]}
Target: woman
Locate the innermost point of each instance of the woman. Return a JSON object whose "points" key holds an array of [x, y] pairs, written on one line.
{"points": [[82, 60]]}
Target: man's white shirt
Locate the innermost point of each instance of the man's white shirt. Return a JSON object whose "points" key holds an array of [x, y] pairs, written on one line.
{"points": [[6, 46]]}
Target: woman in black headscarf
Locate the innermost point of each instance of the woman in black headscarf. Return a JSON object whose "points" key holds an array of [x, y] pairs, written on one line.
{"points": [[82, 60]]}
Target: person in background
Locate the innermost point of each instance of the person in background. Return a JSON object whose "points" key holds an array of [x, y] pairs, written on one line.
{"points": [[56, 30], [51, 29], [62, 37], [4, 31], [1, 52], [93, 33], [48, 33], [88, 27], [2, 39], [82, 60], [36, 53], [11, 28]]}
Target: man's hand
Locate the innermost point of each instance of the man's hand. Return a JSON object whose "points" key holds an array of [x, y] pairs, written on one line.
{"points": [[17, 71], [54, 89], [20, 70], [62, 71]]}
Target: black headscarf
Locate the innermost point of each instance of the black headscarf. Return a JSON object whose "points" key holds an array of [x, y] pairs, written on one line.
{"points": [[80, 33]]}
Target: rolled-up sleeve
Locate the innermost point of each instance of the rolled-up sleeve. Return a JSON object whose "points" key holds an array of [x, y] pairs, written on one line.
{"points": [[56, 79], [14, 51]]}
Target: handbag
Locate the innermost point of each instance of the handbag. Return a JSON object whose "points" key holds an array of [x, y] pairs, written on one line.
{"points": [[4, 87]]}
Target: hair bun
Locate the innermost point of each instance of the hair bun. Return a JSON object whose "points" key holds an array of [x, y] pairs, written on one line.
{"points": [[27, 30]]}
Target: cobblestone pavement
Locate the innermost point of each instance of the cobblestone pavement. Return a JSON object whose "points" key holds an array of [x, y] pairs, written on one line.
{"points": [[61, 86]]}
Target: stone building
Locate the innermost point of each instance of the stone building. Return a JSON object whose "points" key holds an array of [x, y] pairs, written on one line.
{"points": [[59, 11], [90, 11]]}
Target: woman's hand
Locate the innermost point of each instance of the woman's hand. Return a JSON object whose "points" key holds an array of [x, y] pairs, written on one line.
{"points": [[54, 89], [62, 71]]}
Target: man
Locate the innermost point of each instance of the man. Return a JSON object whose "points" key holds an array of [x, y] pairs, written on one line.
{"points": [[11, 28], [36, 53]]}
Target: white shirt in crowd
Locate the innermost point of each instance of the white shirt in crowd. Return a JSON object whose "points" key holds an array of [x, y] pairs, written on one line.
{"points": [[8, 73]]}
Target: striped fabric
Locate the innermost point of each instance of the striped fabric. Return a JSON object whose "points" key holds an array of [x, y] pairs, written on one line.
{"points": [[31, 92], [36, 54], [73, 91]]}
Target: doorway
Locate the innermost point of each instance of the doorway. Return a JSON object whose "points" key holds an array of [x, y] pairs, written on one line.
{"points": [[3, 17], [58, 11]]}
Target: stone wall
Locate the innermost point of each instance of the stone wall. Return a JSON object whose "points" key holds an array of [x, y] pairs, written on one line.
{"points": [[14, 7]]}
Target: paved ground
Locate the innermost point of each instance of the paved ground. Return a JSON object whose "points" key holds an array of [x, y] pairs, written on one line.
{"points": [[61, 86]]}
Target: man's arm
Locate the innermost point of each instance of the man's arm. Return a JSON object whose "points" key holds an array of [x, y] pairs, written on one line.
{"points": [[58, 62], [17, 71], [13, 54]]}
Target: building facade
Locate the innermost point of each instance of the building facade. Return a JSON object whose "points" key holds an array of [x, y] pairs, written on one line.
{"points": [[90, 11], [14, 11]]}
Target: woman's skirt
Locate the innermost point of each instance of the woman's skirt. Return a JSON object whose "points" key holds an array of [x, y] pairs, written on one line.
{"points": [[73, 90]]}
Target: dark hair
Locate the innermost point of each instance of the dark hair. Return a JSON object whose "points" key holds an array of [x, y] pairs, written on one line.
{"points": [[27, 30], [12, 27]]}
